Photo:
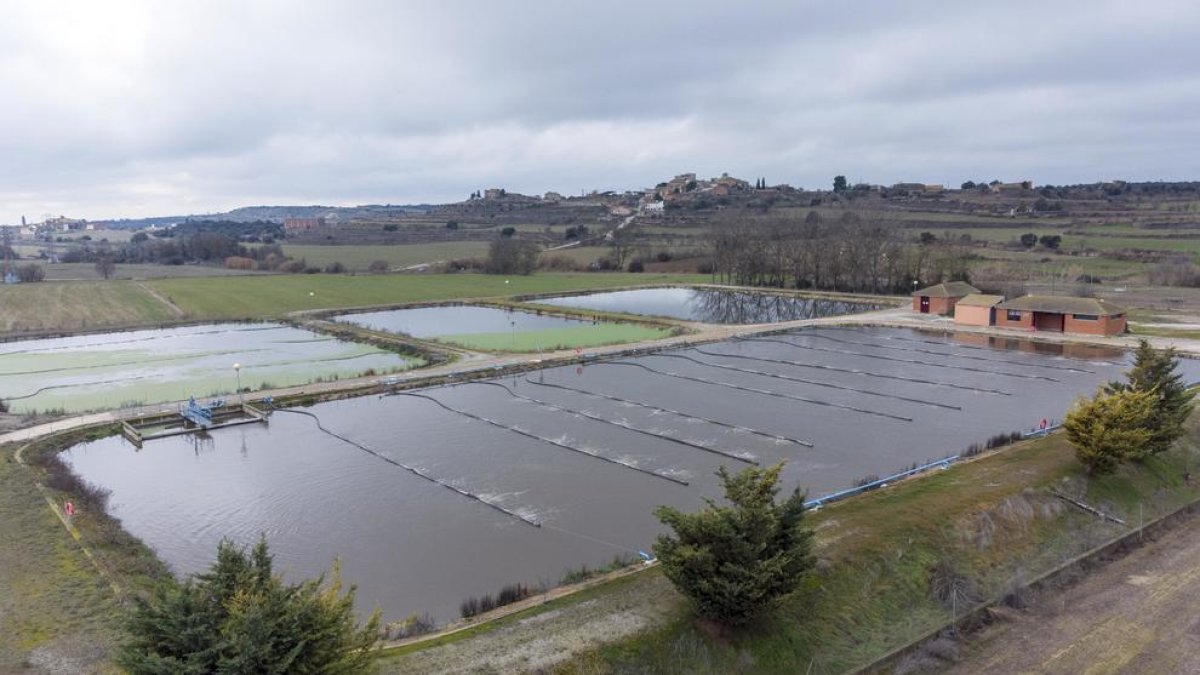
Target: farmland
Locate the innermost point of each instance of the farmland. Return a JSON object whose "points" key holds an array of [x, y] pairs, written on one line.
{"points": [[359, 258], [58, 306]]}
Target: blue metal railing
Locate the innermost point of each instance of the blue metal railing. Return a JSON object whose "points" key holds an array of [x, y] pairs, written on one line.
{"points": [[943, 463]]}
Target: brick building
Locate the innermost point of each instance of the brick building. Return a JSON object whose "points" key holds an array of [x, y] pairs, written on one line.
{"points": [[1061, 315], [940, 299]]}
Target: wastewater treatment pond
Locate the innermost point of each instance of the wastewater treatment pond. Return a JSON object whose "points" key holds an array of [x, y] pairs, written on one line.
{"points": [[492, 328], [150, 366], [710, 305], [432, 496]]}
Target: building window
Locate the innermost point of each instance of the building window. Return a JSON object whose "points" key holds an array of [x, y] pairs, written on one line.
{"points": [[1014, 315], [1086, 317]]}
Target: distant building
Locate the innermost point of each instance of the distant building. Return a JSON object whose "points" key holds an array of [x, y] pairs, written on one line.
{"points": [[940, 299], [1011, 187], [977, 310], [653, 207], [291, 225], [553, 197], [1060, 314], [493, 193], [65, 224]]}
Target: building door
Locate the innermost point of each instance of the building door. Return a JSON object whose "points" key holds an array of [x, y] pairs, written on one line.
{"points": [[1048, 321], [924, 304]]}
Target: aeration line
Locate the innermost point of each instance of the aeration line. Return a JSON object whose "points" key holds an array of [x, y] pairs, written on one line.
{"points": [[932, 364], [853, 371], [647, 406], [535, 437], [415, 471], [74, 384], [597, 418], [966, 346], [937, 353], [789, 378], [752, 390]]}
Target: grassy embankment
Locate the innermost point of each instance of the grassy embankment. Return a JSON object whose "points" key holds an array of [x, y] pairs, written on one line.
{"points": [[73, 306], [988, 524], [57, 611], [558, 338], [277, 295]]}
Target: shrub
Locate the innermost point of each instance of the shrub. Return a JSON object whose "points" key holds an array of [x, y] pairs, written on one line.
{"points": [[234, 262], [636, 265], [732, 561], [335, 268], [391, 227], [240, 617], [31, 273], [486, 603], [378, 267]]}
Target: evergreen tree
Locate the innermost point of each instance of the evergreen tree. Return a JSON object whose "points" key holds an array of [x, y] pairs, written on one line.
{"points": [[1154, 370], [239, 617], [733, 561], [1110, 428]]}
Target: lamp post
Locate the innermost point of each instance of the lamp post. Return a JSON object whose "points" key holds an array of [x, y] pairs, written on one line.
{"points": [[237, 368]]}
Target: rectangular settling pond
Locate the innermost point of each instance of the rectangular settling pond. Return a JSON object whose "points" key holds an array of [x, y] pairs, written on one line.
{"points": [[150, 366], [496, 329], [431, 496], [710, 305]]}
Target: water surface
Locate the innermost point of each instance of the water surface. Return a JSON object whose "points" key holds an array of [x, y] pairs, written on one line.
{"points": [[868, 400], [710, 306]]}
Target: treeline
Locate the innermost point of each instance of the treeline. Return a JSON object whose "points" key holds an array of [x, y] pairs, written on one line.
{"points": [[201, 247], [852, 253], [257, 231]]}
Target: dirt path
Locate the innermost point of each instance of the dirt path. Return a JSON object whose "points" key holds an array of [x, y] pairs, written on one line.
{"points": [[1139, 614], [170, 304], [539, 641]]}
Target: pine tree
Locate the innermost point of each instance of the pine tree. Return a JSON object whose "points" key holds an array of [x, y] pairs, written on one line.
{"points": [[239, 617], [1110, 428], [1154, 370], [733, 561]]}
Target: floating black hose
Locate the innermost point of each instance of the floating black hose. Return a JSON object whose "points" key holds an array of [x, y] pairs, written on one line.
{"points": [[790, 378], [413, 470], [74, 384], [864, 373], [752, 390], [597, 418], [931, 364], [727, 425], [555, 443]]}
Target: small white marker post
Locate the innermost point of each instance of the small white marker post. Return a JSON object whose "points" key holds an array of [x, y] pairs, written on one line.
{"points": [[237, 368]]}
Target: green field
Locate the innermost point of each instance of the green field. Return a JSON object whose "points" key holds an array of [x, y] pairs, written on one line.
{"points": [[558, 338], [272, 296], [79, 306], [359, 258]]}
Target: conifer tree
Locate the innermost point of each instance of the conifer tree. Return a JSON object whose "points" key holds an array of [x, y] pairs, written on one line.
{"points": [[733, 561], [1154, 370]]}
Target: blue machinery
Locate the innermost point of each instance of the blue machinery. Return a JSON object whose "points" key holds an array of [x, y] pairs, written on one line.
{"points": [[201, 416]]}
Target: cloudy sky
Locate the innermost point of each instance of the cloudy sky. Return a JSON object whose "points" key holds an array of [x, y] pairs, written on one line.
{"points": [[112, 108]]}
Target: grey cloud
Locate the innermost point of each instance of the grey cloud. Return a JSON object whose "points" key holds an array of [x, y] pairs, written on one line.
{"points": [[132, 108]]}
